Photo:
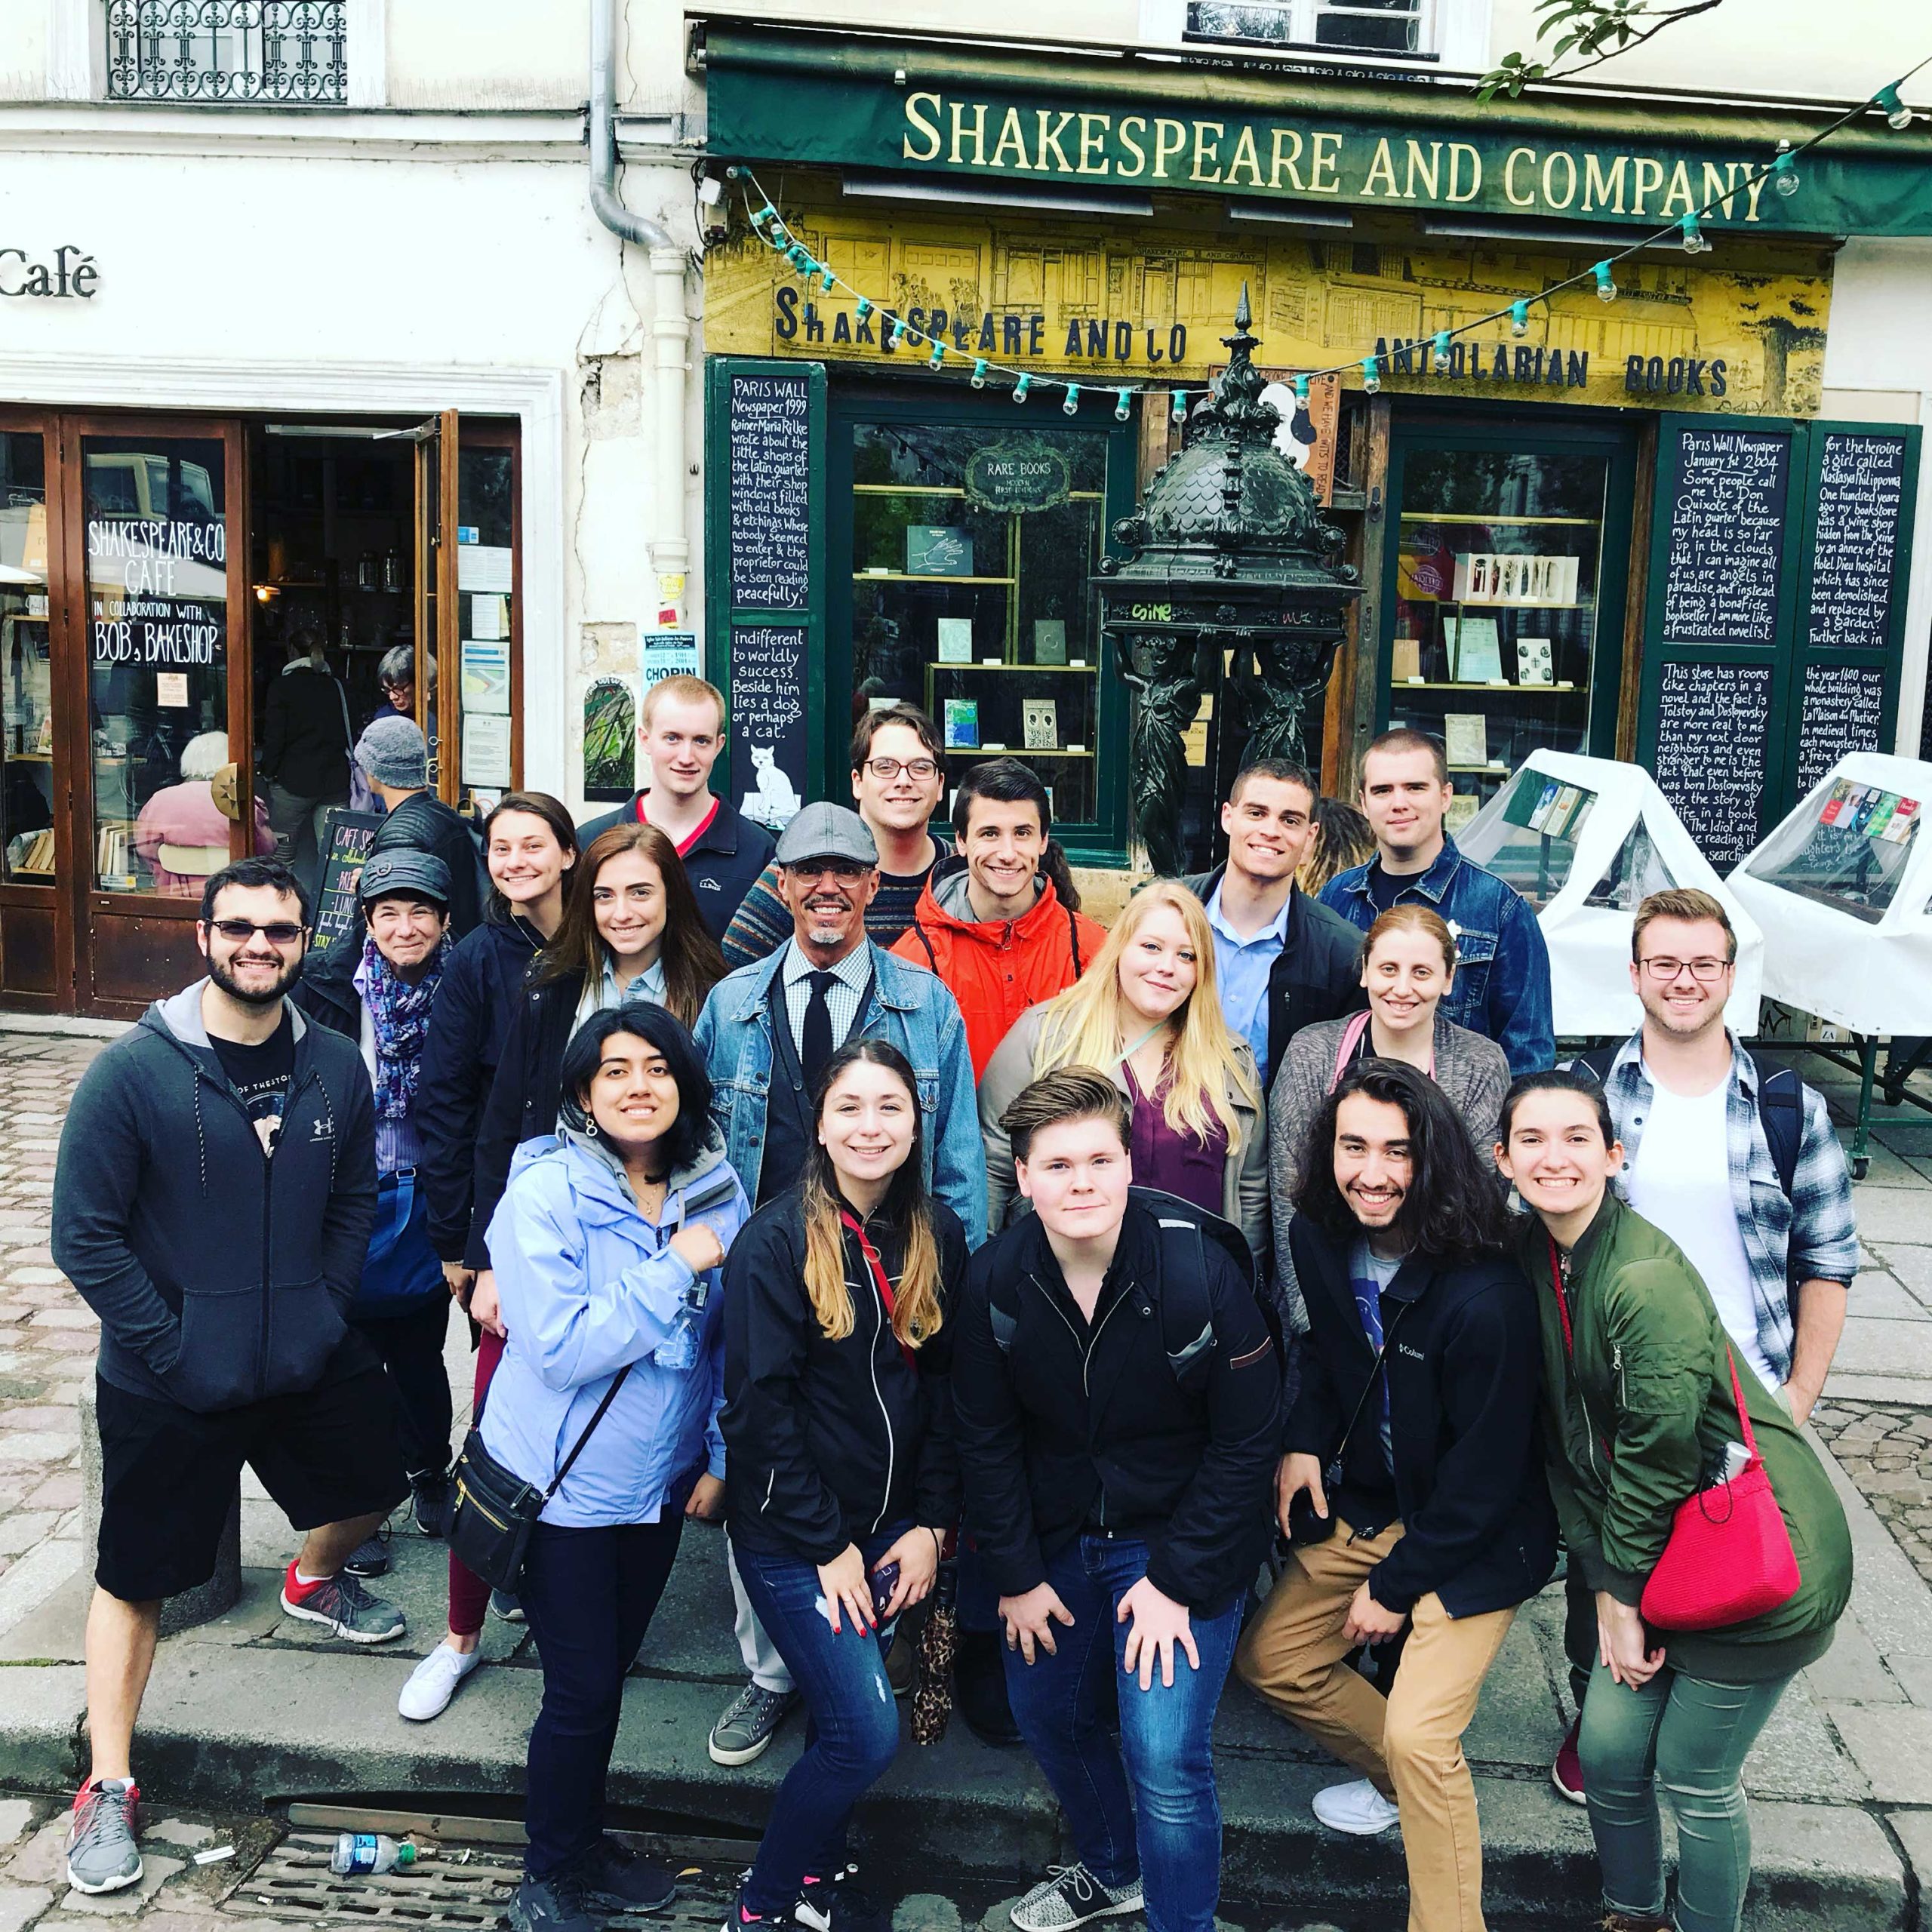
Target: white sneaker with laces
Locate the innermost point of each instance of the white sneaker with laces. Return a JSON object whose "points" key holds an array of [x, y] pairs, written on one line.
{"points": [[432, 1683], [1359, 1809]]}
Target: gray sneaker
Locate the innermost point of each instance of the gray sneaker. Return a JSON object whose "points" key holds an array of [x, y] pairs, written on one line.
{"points": [[102, 1855], [347, 1609], [745, 1727], [1070, 1895]]}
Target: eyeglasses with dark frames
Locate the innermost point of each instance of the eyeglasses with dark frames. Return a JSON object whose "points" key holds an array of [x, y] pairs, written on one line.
{"points": [[887, 769], [1659, 966]]}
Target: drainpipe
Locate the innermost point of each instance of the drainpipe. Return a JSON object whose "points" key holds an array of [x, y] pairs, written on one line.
{"points": [[669, 540]]}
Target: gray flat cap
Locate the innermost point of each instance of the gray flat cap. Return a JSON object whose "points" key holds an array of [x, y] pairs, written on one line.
{"points": [[405, 872], [825, 831]]}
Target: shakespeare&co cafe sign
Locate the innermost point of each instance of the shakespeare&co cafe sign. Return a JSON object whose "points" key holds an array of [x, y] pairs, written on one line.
{"points": [[1124, 121]]}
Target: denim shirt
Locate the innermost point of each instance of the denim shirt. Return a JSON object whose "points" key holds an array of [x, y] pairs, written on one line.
{"points": [[1502, 987], [910, 1007]]}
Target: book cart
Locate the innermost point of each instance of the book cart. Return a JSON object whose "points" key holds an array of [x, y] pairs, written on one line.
{"points": [[1584, 840], [1845, 880]]}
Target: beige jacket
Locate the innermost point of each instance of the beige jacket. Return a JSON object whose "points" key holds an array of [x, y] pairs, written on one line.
{"points": [[1244, 1180]]}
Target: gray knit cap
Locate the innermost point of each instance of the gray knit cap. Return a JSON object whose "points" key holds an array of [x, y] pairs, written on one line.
{"points": [[392, 750]]}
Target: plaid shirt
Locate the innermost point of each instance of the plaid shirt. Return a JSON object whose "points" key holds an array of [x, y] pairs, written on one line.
{"points": [[1811, 1236]]}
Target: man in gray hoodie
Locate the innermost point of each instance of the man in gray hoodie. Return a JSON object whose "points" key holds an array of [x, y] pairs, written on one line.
{"points": [[212, 1204]]}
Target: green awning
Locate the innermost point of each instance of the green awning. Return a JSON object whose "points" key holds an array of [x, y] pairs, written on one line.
{"points": [[1211, 123]]}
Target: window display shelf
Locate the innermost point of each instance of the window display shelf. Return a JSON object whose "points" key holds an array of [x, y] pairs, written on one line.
{"points": [[906, 576], [1507, 522], [1559, 689], [989, 664], [1490, 603]]}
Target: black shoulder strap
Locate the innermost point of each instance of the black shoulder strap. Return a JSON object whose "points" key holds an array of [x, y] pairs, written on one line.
{"points": [[589, 1428], [1187, 1318], [1599, 1061], [1781, 1108], [932, 958], [1374, 1375], [1073, 939]]}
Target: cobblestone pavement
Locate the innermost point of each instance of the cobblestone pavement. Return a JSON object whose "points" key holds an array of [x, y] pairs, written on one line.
{"points": [[1886, 1449]]}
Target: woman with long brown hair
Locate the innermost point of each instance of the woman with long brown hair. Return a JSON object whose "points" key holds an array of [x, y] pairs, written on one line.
{"points": [[837, 1426]]}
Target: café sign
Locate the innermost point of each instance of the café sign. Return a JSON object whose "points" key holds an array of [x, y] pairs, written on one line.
{"points": [[67, 274]]}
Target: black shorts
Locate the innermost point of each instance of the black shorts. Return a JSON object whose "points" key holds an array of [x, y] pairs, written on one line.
{"points": [[168, 1474]]}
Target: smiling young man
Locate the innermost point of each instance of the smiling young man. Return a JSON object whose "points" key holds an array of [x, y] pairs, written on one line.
{"points": [[1282, 961], [1417, 1375], [223, 1113], [1502, 986], [1000, 922], [681, 732], [898, 774], [1116, 1393], [767, 1032], [1739, 1165]]}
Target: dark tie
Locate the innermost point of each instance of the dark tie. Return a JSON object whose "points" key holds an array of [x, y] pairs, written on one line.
{"points": [[815, 1048]]}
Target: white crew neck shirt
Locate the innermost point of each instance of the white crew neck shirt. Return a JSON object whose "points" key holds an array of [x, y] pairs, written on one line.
{"points": [[1680, 1180]]}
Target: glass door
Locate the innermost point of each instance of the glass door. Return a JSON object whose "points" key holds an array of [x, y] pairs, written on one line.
{"points": [[1505, 592], [156, 620], [435, 588]]}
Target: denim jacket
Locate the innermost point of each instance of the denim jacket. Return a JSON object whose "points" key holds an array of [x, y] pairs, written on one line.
{"points": [[588, 1285], [907, 1006], [1502, 987]]}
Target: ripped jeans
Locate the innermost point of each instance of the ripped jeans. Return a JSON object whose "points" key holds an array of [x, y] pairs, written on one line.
{"points": [[852, 1734]]}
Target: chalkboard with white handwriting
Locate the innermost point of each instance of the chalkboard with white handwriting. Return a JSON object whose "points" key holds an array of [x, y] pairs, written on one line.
{"points": [[768, 680], [1855, 539], [1723, 566], [1713, 722], [770, 435], [1844, 710]]}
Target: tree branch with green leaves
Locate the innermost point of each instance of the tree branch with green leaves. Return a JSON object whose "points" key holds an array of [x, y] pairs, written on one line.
{"points": [[1586, 33]]}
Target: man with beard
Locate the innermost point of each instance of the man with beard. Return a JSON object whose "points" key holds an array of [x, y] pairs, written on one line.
{"points": [[766, 1033], [212, 1204]]}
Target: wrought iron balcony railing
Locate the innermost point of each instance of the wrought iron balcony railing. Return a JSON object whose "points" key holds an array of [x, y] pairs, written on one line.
{"points": [[228, 51]]}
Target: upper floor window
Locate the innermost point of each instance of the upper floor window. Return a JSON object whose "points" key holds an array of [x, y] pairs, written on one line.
{"points": [[1452, 33], [228, 50]]}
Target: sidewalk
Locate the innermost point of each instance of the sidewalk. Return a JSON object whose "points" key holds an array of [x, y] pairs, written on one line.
{"points": [[252, 1709]]}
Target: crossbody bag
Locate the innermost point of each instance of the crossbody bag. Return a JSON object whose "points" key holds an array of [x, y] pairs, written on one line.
{"points": [[1305, 1526]]}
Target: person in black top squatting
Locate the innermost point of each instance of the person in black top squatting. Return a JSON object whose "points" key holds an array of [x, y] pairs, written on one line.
{"points": [[222, 1112], [1116, 1391], [843, 1482]]}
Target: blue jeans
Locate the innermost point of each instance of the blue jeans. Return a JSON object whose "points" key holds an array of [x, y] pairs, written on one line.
{"points": [[852, 1734], [1166, 1830]]}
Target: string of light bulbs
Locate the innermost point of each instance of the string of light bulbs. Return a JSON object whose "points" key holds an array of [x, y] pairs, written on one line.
{"points": [[1782, 171]]}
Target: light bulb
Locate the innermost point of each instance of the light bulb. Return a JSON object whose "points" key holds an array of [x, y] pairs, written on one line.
{"points": [[937, 356], [1122, 407], [864, 309], [1519, 318], [1439, 353], [1898, 116], [764, 215], [1371, 374], [827, 277], [1180, 410], [1020, 388], [1784, 170], [898, 331], [1605, 287], [979, 374], [1301, 389], [1071, 407], [1695, 243]]}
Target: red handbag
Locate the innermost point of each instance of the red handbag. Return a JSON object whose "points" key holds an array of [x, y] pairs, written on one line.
{"points": [[1729, 1557]]}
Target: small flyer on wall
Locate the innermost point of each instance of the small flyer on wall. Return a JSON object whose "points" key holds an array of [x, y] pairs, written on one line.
{"points": [[486, 675], [667, 654], [486, 749]]}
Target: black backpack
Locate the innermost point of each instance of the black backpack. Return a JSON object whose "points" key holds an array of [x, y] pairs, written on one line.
{"points": [[1780, 1106], [1187, 1318]]}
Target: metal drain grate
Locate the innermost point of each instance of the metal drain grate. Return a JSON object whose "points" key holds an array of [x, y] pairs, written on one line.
{"points": [[293, 1885]]}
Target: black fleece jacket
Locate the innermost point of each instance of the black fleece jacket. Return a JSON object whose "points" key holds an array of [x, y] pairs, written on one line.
{"points": [[524, 1094], [1463, 1361], [222, 1275], [1073, 1426], [827, 1442]]}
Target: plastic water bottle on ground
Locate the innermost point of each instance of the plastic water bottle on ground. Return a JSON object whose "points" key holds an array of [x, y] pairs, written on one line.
{"points": [[363, 1854]]}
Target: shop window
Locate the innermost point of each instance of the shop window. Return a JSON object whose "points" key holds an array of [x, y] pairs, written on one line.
{"points": [[157, 593], [1497, 582], [1850, 854], [216, 50], [1452, 32], [26, 797], [972, 553], [1531, 841]]}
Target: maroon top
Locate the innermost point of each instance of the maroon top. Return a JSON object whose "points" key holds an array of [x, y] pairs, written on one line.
{"points": [[1180, 1163]]}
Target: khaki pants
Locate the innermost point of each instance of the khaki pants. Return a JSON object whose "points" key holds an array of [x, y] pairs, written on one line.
{"points": [[1409, 1745]]}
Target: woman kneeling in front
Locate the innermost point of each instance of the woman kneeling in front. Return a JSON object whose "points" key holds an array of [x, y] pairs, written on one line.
{"points": [[607, 1246], [839, 1422]]}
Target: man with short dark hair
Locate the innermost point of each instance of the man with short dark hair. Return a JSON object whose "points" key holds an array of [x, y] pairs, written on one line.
{"points": [[1282, 961], [767, 1032], [1738, 1163], [1502, 984], [1116, 1393], [213, 1203], [681, 732], [898, 775]]}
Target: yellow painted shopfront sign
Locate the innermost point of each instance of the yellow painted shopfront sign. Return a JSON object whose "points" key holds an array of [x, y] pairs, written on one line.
{"points": [[1148, 302]]}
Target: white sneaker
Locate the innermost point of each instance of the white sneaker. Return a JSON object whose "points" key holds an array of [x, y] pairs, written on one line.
{"points": [[432, 1683], [1359, 1809]]}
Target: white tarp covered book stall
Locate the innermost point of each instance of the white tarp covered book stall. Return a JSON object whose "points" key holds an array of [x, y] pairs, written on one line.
{"points": [[1845, 882], [1585, 840]]}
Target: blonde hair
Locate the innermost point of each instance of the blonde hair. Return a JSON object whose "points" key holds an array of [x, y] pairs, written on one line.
{"points": [[916, 1313], [687, 688], [1085, 1025]]}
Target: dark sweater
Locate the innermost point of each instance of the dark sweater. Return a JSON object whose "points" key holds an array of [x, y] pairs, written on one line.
{"points": [[304, 733], [221, 1276]]}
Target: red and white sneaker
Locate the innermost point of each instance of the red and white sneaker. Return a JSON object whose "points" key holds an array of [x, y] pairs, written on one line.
{"points": [[1566, 1773], [102, 1855]]}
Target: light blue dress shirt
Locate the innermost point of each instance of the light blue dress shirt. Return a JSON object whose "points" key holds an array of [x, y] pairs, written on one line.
{"points": [[1242, 967]]}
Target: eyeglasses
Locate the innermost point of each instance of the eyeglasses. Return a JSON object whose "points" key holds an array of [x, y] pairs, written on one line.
{"points": [[887, 769], [277, 932], [1704, 971]]}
